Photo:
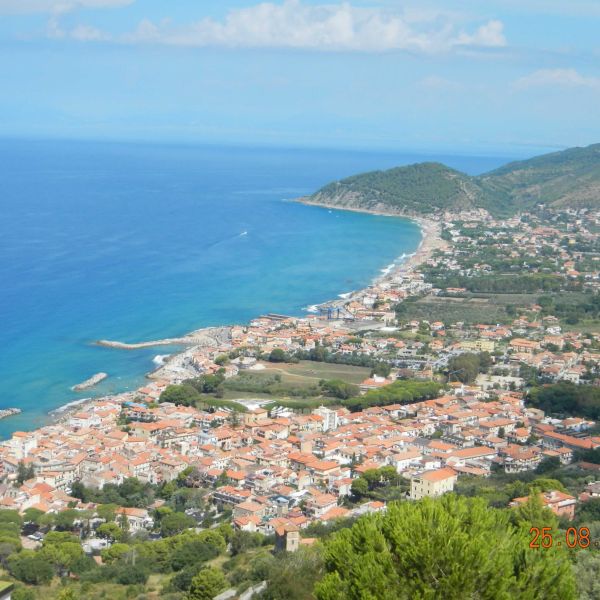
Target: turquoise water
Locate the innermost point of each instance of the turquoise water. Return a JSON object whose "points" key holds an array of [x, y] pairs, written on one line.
{"points": [[134, 242]]}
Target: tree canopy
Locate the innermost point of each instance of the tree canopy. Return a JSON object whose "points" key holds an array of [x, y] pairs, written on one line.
{"points": [[450, 548]]}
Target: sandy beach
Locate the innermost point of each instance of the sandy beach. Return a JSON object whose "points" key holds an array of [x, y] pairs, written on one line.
{"points": [[431, 240]]}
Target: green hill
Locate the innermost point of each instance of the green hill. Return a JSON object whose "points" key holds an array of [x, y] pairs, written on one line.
{"points": [[570, 178]]}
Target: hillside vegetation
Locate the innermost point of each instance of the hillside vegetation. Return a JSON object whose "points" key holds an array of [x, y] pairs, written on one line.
{"points": [[570, 178]]}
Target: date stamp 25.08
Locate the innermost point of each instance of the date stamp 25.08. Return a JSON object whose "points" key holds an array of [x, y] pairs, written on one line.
{"points": [[574, 537]]}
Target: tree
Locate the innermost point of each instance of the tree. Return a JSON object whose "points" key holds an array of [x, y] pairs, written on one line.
{"points": [[339, 389], [244, 540], [207, 584], [360, 487], [222, 359], [464, 367], [110, 531], [33, 515], [11, 516], [382, 369], [65, 519], [587, 574], [29, 567], [175, 523], [566, 398], [589, 511], [67, 594], [106, 512], [549, 464], [533, 513], [115, 553], [63, 556], [123, 523], [185, 395], [23, 593], [293, 575], [222, 479], [196, 549], [24, 472], [277, 356], [450, 548]]}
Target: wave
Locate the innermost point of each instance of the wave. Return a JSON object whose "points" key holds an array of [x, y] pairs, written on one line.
{"points": [[65, 407], [345, 295], [313, 308], [387, 270], [160, 359]]}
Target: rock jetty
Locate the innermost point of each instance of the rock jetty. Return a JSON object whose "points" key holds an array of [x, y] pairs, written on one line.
{"points": [[9, 412], [88, 383]]}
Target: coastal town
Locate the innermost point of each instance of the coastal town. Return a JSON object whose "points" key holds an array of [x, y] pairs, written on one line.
{"points": [[425, 403]]}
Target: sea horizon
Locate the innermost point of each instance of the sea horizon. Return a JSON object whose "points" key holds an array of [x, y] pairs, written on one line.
{"points": [[209, 233]]}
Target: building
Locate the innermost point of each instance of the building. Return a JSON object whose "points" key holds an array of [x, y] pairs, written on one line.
{"points": [[287, 538], [433, 483], [559, 503], [330, 418]]}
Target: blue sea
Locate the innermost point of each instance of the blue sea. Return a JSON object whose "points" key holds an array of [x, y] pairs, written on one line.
{"points": [[139, 241]]}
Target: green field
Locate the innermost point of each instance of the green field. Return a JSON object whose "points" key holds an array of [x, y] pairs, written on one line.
{"points": [[451, 310], [485, 308], [297, 381], [309, 372]]}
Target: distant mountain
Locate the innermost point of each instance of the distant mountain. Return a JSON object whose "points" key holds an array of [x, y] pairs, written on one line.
{"points": [[570, 178]]}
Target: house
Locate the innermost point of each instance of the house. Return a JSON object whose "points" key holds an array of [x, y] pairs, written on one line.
{"points": [[249, 508], [138, 518], [523, 345], [433, 483], [287, 538], [559, 503], [255, 416]]}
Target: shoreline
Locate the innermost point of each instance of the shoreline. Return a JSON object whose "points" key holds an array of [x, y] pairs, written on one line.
{"points": [[430, 241], [215, 335]]}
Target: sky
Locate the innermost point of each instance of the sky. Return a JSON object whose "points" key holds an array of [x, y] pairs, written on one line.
{"points": [[496, 77]]}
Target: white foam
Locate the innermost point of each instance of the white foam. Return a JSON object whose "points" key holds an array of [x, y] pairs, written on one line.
{"points": [[387, 270], [160, 359], [69, 405]]}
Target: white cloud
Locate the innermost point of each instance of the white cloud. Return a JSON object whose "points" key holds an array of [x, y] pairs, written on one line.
{"points": [[489, 35], [80, 33], [557, 77], [329, 27], [56, 6]]}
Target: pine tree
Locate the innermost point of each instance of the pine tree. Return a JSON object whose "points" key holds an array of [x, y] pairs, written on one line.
{"points": [[450, 548], [207, 584]]}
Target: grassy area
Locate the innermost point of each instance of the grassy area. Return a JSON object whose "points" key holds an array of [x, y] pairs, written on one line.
{"points": [[484, 308], [295, 383], [450, 310], [584, 326], [310, 372]]}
